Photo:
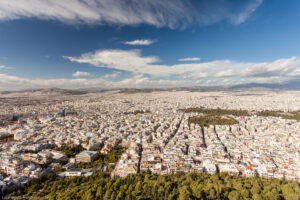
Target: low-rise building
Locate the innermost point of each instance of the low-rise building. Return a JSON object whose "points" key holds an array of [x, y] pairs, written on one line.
{"points": [[86, 156]]}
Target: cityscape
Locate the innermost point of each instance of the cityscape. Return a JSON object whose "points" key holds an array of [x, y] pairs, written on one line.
{"points": [[149, 100], [154, 130]]}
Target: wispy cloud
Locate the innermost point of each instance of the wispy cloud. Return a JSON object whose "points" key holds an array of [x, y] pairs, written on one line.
{"points": [[246, 11], [173, 14], [4, 67], [189, 59], [79, 73], [140, 42]]}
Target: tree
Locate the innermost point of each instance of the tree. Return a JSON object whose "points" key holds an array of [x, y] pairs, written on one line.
{"points": [[234, 195]]}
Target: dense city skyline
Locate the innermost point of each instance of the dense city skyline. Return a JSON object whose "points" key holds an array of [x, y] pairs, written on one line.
{"points": [[48, 136]]}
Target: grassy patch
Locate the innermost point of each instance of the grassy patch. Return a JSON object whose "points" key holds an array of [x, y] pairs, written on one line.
{"points": [[207, 120], [284, 115], [217, 111], [210, 114]]}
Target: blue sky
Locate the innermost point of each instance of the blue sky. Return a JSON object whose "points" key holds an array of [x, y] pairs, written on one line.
{"points": [[147, 43]]}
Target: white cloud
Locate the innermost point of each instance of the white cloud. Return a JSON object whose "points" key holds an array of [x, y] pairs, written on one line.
{"points": [[112, 75], [276, 68], [226, 73], [140, 42], [144, 71], [79, 73], [130, 60], [295, 72], [214, 73], [139, 81], [269, 80], [189, 59], [8, 82], [246, 11], [173, 14], [194, 76], [4, 67], [133, 61]]}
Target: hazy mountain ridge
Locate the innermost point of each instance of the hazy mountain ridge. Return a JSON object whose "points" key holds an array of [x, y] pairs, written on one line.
{"points": [[292, 85]]}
